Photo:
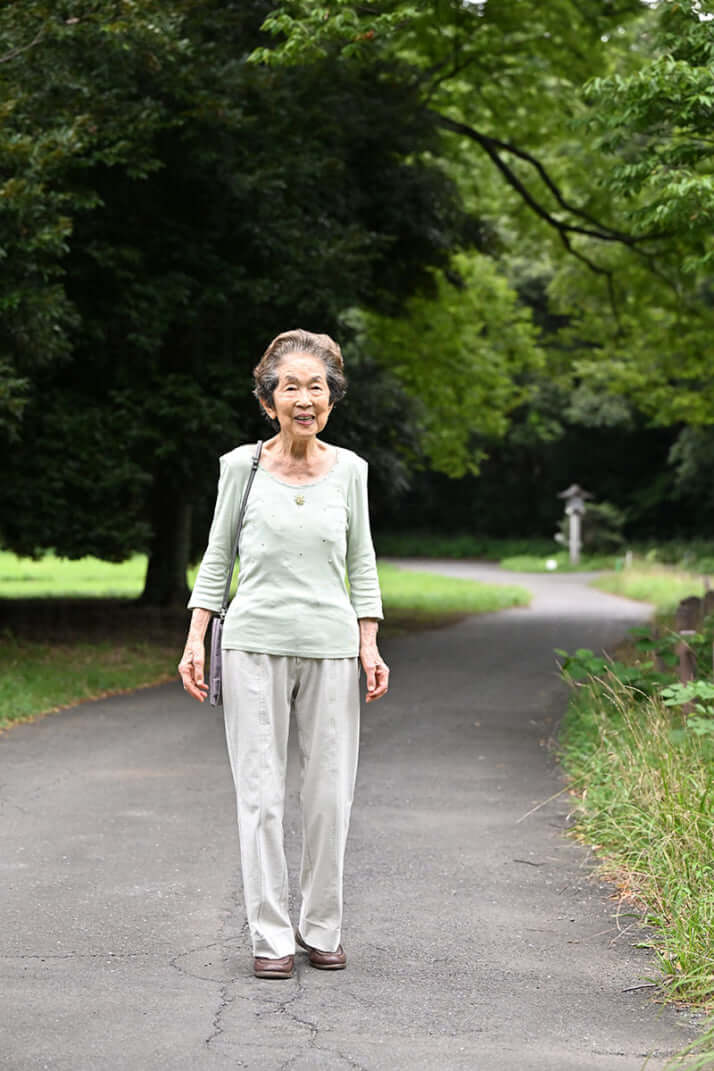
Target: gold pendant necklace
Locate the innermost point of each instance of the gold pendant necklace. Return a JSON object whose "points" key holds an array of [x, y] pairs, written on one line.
{"points": [[300, 500]]}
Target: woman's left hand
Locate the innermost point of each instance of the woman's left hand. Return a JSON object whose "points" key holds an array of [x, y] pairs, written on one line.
{"points": [[377, 672]]}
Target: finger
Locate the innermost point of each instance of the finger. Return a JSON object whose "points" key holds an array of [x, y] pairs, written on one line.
{"points": [[382, 685], [192, 679], [196, 692]]}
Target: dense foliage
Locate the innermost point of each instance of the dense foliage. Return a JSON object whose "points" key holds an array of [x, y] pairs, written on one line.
{"points": [[587, 157], [206, 203], [503, 210]]}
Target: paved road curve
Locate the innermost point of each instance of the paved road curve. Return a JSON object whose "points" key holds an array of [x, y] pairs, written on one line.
{"points": [[476, 941]]}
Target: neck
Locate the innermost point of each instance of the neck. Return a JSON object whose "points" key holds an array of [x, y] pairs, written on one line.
{"points": [[294, 449]]}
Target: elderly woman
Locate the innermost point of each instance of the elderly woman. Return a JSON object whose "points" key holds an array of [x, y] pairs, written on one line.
{"points": [[292, 643]]}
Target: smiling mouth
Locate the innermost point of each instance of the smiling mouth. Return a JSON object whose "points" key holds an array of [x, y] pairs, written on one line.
{"points": [[305, 419]]}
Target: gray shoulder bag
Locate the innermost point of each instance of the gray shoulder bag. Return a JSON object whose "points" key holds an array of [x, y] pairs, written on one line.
{"points": [[215, 674]]}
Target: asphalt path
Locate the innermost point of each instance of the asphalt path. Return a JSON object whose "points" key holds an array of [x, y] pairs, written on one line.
{"points": [[478, 938]]}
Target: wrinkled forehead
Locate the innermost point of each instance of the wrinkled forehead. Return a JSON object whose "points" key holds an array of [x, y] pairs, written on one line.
{"points": [[299, 367]]}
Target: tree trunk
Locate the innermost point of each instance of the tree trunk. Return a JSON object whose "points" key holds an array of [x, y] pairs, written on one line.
{"points": [[165, 583]]}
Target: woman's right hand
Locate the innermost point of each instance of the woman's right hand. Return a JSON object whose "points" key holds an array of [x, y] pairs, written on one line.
{"points": [[193, 659], [191, 669]]}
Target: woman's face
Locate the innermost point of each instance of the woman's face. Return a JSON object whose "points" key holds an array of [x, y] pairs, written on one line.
{"points": [[301, 400]]}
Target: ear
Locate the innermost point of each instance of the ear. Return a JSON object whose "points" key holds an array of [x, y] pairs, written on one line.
{"points": [[268, 409]]}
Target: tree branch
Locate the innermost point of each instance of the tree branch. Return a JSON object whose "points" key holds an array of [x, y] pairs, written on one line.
{"points": [[22, 48], [454, 69], [492, 146], [563, 229], [522, 154]]}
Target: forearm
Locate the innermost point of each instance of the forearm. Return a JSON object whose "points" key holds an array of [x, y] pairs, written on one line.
{"points": [[200, 619], [368, 627]]}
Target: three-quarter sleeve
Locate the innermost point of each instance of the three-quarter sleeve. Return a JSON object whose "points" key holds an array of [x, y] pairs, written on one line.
{"points": [[213, 571], [361, 563]]}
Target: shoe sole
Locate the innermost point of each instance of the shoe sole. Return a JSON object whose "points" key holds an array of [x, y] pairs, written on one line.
{"points": [[272, 974]]}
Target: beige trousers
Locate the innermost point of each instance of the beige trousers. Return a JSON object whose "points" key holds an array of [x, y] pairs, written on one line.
{"points": [[260, 691]]}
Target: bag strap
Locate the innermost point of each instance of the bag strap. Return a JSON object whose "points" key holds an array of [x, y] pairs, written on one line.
{"points": [[244, 502]]}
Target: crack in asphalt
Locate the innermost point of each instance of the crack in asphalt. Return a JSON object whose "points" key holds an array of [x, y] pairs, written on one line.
{"points": [[283, 1007], [217, 1022], [173, 962], [308, 1023], [328, 1052], [312, 1041], [225, 996], [343, 1056]]}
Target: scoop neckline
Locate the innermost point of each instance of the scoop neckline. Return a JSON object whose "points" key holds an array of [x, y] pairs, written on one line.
{"points": [[312, 483]]}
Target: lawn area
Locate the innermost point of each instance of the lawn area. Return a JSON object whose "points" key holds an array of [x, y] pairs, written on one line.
{"points": [[23, 578], [42, 677], [39, 677], [429, 593], [663, 586]]}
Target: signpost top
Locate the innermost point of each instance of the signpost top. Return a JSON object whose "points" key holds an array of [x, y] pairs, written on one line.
{"points": [[574, 491], [574, 499]]}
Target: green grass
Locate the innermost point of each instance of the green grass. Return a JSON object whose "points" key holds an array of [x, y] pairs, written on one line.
{"points": [[41, 677], [429, 593], [694, 554], [23, 578], [662, 586], [646, 802], [38, 677], [532, 563]]}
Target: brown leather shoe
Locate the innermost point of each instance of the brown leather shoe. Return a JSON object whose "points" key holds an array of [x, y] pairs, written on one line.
{"points": [[326, 961], [273, 968]]}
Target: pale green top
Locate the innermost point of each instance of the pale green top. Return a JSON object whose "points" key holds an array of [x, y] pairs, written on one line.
{"points": [[296, 543]]}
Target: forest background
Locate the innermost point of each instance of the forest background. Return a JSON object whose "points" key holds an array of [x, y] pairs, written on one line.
{"points": [[503, 211]]}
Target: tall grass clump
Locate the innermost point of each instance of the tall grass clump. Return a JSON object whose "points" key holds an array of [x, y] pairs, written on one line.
{"points": [[644, 783], [662, 586]]}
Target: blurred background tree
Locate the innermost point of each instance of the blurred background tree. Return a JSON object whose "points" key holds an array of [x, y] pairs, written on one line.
{"points": [[208, 204], [502, 210]]}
